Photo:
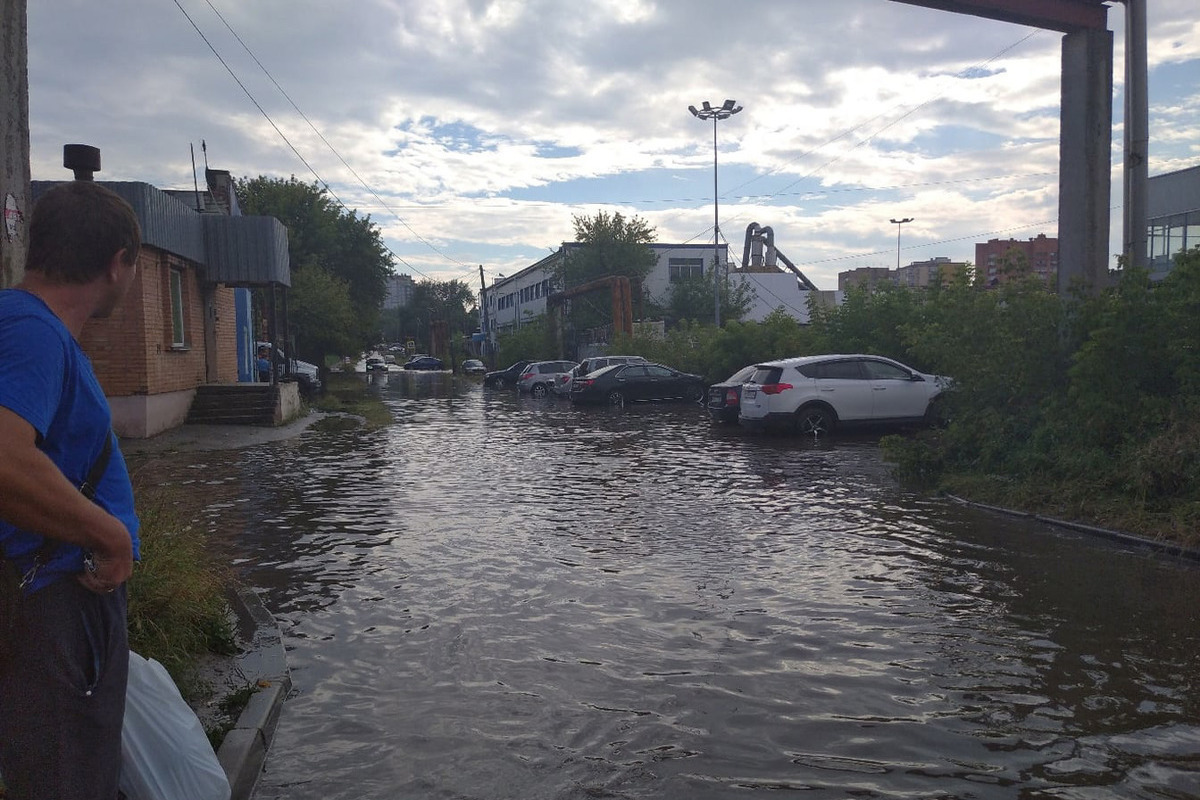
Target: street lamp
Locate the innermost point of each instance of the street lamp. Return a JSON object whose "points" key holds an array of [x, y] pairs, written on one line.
{"points": [[898, 223], [706, 111]]}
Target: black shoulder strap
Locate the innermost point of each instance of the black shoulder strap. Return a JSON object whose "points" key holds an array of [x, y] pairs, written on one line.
{"points": [[88, 487]]}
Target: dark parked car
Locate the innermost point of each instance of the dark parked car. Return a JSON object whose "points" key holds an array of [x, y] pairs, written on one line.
{"points": [[725, 398], [505, 378], [628, 383], [424, 362]]}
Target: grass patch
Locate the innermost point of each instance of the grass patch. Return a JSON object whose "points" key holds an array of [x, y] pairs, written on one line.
{"points": [[178, 610], [345, 393]]}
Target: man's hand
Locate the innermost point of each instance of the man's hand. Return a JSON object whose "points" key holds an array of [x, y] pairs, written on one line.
{"points": [[35, 495], [104, 572]]}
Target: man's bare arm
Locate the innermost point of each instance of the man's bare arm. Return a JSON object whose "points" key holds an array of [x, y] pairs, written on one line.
{"points": [[36, 496]]}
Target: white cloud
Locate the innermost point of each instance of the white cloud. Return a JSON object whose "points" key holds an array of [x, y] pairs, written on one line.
{"points": [[485, 126]]}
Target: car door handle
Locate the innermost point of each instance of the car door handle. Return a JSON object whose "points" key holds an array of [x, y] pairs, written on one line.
{"points": [[879, 388]]}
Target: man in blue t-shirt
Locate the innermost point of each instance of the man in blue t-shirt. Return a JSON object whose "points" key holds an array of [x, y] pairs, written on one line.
{"points": [[65, 650]]}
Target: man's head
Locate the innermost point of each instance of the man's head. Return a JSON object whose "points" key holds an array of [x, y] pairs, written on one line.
{"points": [[76, 230]]}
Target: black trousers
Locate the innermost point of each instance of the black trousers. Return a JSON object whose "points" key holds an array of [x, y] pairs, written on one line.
{"points": [[62, 694]]}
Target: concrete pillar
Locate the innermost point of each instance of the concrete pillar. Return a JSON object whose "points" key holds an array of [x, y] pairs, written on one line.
{"points": [[14, 140], [1137, 134], [1085, 153]]}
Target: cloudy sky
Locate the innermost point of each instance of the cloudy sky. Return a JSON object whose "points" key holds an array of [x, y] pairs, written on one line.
{"points": [[472, 131]]}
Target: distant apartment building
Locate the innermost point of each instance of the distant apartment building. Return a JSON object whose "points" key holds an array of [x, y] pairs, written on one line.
{"points": [[1173, 216], [399, 291], [921, 274], [995, 258], [917, 275], [869, 277]]}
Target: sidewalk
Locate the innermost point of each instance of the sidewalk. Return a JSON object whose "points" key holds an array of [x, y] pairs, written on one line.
{"points": [[197, 438], [263, 663]]}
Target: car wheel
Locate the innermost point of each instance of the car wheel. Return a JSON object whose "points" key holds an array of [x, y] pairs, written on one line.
{"points": [[695, 394], [935, 414], [815, 421], [538, 390], [616, 398]]}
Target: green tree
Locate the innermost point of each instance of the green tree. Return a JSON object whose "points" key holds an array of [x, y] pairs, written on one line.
{"points": [[451, 301], [321, 310], [324, 236], [692, 298], [532, 341], [611, 245]]}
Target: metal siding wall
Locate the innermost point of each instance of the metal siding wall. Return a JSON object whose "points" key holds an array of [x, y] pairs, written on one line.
{"points": [[1173, 193], [246, 250]]}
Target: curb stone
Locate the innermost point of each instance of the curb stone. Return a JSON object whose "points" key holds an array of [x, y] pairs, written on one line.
{"points": [[244, 749], [1156, 545]]}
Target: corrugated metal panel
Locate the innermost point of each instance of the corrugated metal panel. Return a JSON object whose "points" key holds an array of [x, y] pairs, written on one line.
{"points": [[166, 223], [246, 251]]}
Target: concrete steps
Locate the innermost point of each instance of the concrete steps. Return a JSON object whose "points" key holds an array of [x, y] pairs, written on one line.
{"points": [[234, 404]]}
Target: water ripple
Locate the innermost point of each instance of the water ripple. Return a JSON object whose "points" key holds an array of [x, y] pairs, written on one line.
{"points": [[499, 597]]}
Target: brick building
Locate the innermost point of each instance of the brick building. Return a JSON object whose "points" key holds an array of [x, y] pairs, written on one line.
{"points": [[996, 259], [863, 276], [179, 327], [917, 275]]}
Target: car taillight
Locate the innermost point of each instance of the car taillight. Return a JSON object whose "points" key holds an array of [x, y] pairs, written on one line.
{"points": [[527, 376], [775, 388], [583, 383], [731, 397]]}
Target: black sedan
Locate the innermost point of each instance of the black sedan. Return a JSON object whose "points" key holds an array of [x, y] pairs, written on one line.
{"points": [[629, 383], [725, 398], [424, 362], [505, 378]]}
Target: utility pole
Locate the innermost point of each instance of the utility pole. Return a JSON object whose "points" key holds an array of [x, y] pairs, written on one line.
{"points": [[487, 341], [14, 140]]}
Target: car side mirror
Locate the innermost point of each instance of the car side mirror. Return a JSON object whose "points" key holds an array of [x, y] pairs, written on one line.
{"points": [[918, 377]]}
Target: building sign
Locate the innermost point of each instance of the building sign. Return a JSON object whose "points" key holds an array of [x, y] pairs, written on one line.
{"points": [[12, 218]]}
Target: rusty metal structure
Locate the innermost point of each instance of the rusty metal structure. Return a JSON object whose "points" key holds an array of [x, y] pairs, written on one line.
{"points": [[621, 293]]}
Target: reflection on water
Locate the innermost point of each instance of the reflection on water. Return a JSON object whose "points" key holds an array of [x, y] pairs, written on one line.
{"points": [[499, 597]]}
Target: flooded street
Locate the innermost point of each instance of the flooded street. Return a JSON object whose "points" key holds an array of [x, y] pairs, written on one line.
{"points": [[500, 597]]}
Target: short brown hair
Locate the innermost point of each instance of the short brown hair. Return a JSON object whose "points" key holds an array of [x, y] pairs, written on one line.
{"points": [[75, 230]]}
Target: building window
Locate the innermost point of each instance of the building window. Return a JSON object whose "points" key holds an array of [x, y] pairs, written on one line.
{"points": [[177, 333], [679, 269]]}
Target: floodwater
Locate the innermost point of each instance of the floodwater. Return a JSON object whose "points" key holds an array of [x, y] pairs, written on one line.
{"points": [[498, 597]]}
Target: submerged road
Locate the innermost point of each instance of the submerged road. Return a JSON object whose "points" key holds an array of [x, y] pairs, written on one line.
{"points": [[498, 597]]}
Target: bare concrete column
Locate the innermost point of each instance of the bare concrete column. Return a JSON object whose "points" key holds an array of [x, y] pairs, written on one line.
{"points": [[14, 139], [1137, 133], [1085, 153]]}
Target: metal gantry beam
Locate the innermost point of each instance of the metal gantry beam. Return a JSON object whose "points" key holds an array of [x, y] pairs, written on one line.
{"points": [[1085, 148], [1065, 16]]}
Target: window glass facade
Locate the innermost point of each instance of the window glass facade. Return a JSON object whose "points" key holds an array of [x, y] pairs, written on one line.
{"points": [[1169, 235]]}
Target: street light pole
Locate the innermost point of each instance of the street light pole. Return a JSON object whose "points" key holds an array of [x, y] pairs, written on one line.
{"points": [[706, 111], [898, 223]]}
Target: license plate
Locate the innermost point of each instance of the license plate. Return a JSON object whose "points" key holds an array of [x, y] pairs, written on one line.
{"points": [[750, 394]]}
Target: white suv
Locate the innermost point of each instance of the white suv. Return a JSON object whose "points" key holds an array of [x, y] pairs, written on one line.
{"points": [[540, 377], [815, 394]]}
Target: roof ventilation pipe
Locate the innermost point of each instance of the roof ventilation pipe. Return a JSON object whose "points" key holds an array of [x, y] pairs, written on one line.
{"points": [[83, 159], [769, 234], [752, 252]]}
